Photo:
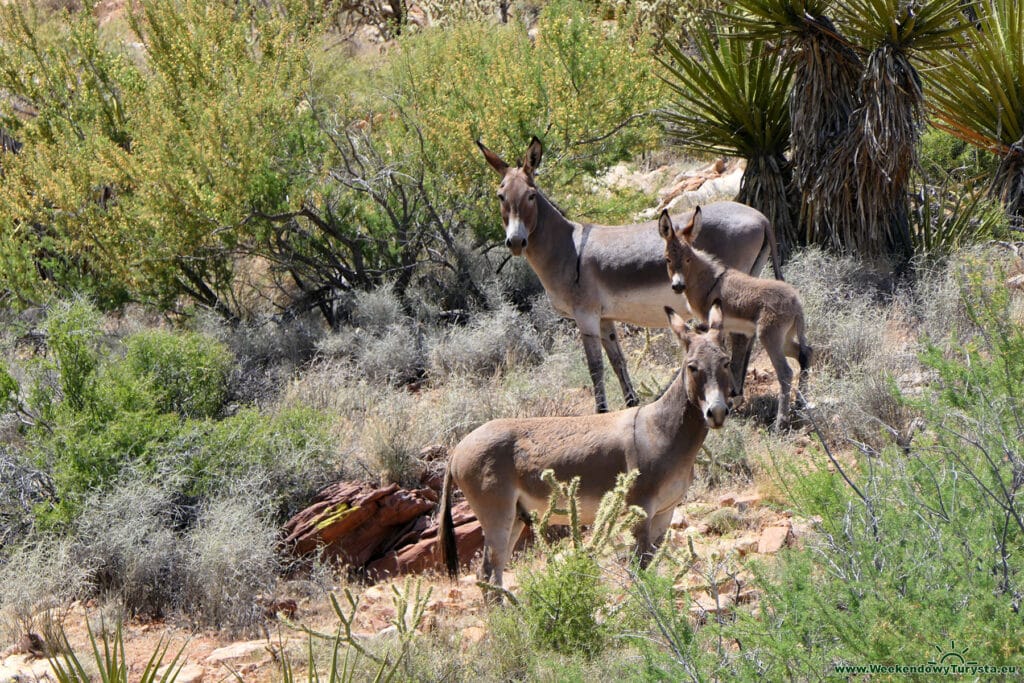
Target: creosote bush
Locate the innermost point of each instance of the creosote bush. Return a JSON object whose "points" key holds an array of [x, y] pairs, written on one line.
{"points": [[187, 372]]}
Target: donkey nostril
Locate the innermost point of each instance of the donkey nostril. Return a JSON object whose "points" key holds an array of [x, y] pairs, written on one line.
{"points": [[677, 286], [524, 244], [508, 242]]}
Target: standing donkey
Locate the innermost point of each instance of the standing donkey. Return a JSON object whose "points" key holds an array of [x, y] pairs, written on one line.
{"points": [[498, 466], [739, 303], [601, 274]]}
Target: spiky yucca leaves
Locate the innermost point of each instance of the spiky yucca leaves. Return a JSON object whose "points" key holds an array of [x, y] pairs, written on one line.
{"points": [[731, 100], [975, 94]]}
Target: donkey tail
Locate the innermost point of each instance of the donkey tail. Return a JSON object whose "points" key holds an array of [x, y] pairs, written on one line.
{"points": [[806, 354], [773, 246], [448, 548]]}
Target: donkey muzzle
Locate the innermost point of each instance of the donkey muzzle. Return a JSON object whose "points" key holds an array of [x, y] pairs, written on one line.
{"points": [[716, 414], [516, 244], [678, 287]]}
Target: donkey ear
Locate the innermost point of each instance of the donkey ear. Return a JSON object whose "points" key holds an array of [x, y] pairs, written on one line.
{"points": [[690, 231], [678, 325], [493, 159], [531, 160], [716, 318], [665, 225]]}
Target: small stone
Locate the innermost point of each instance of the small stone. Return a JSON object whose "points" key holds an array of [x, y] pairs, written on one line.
{"points": [[679, 519], [237, 650], [745, 502], [745, 546], [727, 500], [189, 673]]}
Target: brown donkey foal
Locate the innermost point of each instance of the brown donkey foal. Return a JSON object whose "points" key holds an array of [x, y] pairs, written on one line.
{"points": [[498, 466], [739, 303]]}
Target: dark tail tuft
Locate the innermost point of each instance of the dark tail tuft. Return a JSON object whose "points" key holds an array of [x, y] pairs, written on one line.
{"points": [[449, 549]]}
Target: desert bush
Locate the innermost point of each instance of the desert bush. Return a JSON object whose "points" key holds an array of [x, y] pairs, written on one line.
{"points": [[292, 450], [186, 372], [73, 333], [493, 83], [562, 603], [38, 577], [231, 557], [22, 487], [924, 539], [126, 538], [489, 344]]}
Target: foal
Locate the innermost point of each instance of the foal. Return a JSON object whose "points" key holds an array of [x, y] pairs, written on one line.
{"points": [[739, 303]]}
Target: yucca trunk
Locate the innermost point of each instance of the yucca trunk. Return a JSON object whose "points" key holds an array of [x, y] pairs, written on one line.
{"points": [[826, 72]]}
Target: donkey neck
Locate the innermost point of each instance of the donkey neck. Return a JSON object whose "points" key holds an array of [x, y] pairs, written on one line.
{"points": [[674, 418], [703, 278], [551, 250]]}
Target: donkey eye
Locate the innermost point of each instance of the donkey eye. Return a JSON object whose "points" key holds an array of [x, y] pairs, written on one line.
{"points": [[501, 197], [692, 367], [532, 196]]}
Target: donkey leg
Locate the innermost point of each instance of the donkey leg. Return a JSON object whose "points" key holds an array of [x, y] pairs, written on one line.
{"points": [[774, 343], [590, 330], [659, 525], [798, 349], [496, 543], [742, 347], [610, 341]]}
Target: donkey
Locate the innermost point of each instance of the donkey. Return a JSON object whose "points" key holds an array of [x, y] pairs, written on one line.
{"points": [[728, 298], [601, 274], [498, 466]]}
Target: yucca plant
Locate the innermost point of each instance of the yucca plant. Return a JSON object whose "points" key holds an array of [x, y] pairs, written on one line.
{"points": [[826, 70], [732, 100], [950, 214], [111, 663], [856, 108], [881, 152], [975, 94]]}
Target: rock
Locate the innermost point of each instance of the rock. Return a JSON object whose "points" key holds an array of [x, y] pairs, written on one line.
{"points": [[745, 546], [239, 650], [679, 520], [356, 521], [26, 667], [189, 673], [744, 502], [773, 539], [1016, 282], [726, 500]]}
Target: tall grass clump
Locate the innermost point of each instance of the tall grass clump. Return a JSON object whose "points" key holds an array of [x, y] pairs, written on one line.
{"points": [[126, 539], [39, 577]]}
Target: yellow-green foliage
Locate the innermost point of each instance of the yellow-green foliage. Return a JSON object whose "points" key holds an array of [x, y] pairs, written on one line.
{"points": [[577, 83], [139, 173]]}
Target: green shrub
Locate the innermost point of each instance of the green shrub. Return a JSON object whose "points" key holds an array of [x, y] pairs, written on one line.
{"points": [[576, 86], [186, 372], [916, 547], [562, 604], [73, 333]]}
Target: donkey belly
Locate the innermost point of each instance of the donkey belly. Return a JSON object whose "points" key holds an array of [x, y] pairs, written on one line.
{"points": [[739, 325], [643, 307]]}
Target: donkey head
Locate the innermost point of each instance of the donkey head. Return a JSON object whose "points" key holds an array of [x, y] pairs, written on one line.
{"points": [[517, 194], [679, 246], [707, 370]]}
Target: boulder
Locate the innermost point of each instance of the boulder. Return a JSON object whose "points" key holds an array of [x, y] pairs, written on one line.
{"points": [[357, 521]]}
